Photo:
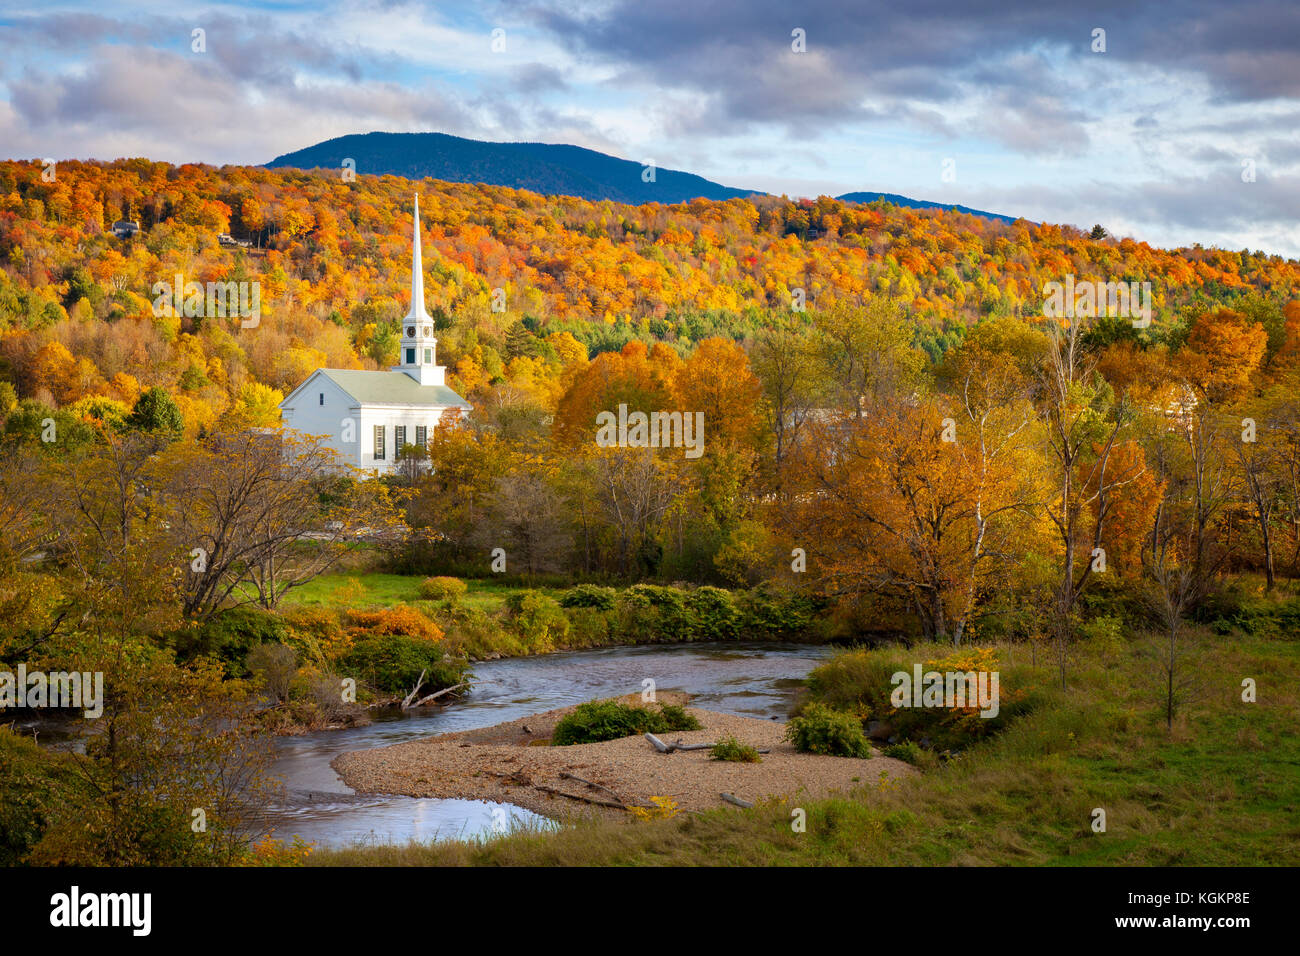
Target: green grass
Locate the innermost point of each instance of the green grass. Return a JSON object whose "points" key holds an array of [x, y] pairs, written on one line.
{"points": [[361, 589], [1221, 788], [732, 750]]}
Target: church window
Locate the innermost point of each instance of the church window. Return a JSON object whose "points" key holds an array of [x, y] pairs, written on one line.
{"points": [[399, 437], [421, 435], [428, 356], [379, 443]]}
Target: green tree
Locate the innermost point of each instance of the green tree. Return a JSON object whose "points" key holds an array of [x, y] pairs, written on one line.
{"points": [[155, 413]]}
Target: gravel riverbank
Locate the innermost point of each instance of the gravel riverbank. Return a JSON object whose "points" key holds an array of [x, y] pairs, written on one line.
{"points": [[509, 763]]}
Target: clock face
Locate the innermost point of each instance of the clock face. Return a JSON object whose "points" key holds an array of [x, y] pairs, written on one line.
{"points": [[410, 331], [428, 330]]}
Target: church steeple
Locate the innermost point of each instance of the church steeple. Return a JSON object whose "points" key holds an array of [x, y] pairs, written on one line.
{"points": [[418, 357], [417, 312]]}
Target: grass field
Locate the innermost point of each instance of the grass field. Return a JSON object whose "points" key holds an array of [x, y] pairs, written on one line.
{"points": [[1221, 788], [360, 589]]}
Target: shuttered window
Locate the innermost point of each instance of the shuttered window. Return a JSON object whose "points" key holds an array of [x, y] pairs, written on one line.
{"points": [[379, 443], [421, 435], [399, 438]]}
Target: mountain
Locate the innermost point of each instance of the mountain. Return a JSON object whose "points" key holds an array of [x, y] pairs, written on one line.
{"points": [[897, 200], [540, 167]]}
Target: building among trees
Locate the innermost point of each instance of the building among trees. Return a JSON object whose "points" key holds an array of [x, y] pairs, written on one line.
{"points": [[367, 417]]}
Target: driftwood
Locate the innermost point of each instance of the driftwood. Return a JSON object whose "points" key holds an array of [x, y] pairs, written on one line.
{"points": [[565, 775], [406, 701], [521, 779], [577, 796], [732, 798], [664, 748], [446, 690], [517, 777]]}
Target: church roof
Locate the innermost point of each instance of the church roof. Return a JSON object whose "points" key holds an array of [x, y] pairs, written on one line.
{"points": [[391, 388]]}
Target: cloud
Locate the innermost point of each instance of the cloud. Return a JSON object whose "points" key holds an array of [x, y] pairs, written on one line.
{"points": [[1151, 133], [184, 108]]}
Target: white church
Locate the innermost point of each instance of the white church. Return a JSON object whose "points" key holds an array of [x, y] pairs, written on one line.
{"points": [[368, 416]]}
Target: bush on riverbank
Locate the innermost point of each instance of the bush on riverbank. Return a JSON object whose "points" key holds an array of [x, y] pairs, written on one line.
{"points": [[651, 613], [732, 750], [229, 636], [860, 682], [600, 720], [391, 664], [589, 615], [821, 730], [539, 620]]}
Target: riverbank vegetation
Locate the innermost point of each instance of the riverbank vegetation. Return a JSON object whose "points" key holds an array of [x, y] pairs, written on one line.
{"points": [[1218, 789], [609, 720]]}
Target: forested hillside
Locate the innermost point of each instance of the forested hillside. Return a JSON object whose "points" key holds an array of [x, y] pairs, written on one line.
{"points": [[77, 323]]}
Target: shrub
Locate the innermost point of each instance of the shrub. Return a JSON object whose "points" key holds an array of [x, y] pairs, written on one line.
{"points": [[34, 786], [1106, 632], [539, 619], [820, 730], [443, 589], [229, 636], [600, 720], [321, 689], [589, 627], [731, 749], [275, 666], [712, 614], [316, 634], [909, 751], [674, 718], [661, 808], [589, 595], [773, 612], [391, 663], [860, 682], [400, 620]]}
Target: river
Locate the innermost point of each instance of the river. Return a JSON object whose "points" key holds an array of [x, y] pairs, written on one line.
{"points": [[751, 679]]}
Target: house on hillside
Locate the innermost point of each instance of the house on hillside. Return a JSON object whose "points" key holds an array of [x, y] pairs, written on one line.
{"points": [[368, 416], [125, 227]]}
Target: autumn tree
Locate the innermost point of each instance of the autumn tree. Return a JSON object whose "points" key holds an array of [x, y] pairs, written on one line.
{"points": [[260, 513], [1080, 427], [1216, 367]]}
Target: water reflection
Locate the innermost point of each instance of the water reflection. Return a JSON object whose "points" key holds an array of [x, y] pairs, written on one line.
{"points": [[753, 680]]}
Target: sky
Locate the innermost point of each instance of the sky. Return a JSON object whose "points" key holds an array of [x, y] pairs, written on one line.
{"points": [[1178, 124]]}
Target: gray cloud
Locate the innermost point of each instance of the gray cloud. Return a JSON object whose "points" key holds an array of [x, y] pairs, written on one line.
{"points": [[869, 54]]}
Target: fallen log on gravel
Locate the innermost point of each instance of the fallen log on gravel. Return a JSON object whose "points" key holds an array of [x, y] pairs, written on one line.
{"points": [[565, 775], [578, 796], [664, 748], [732, 798]]}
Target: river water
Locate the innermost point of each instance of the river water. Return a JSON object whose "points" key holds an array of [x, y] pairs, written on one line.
{"points": [[750, 679]]}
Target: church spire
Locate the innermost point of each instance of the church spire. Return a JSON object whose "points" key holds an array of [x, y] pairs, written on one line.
{"points": [[417, 312], [418, 357]]}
